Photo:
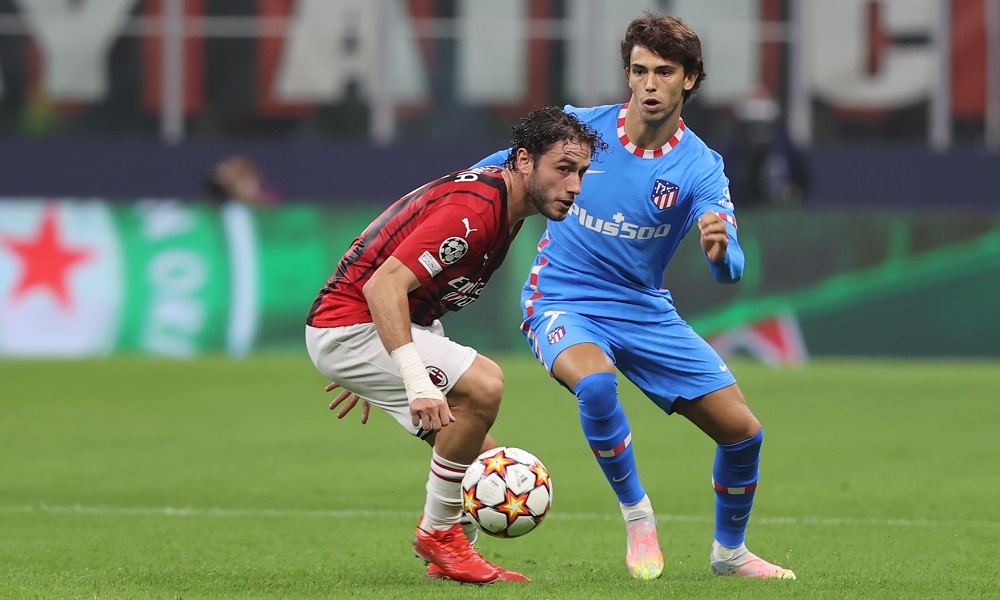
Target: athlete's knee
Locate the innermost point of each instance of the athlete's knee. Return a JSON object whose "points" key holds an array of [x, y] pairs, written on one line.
{"points": [[601, 414], [745, 427], [597, 396], [480, 390], [491, 386], [724, 415], [745, 423], [740, 457]]}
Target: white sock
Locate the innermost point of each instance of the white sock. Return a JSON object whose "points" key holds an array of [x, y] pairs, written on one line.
{"points": [[443, 505], [725, 553], [640, 510], [469, 528]]}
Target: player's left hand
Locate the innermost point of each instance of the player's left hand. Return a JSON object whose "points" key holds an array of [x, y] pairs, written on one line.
{"points": [[352, 401], [714, 236]]}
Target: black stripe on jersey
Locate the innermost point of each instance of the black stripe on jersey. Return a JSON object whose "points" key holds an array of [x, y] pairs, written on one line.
{"points": [[430, 309], [377, 259], [392, 235], [357, 250], [360, 243]]}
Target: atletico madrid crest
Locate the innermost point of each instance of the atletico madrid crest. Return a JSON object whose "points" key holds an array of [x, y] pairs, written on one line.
{"points": [[664, 194], [556, 334]]}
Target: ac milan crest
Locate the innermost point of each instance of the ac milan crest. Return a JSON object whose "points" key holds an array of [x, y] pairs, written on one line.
{"points": [[556, 334], [664, 194], [438, 376]]}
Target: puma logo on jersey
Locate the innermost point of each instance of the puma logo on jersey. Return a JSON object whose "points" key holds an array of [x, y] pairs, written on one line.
{"points": [[468, 228]]}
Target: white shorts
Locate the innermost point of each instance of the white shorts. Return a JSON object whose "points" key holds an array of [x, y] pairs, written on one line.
{"points": [[354, 357]]}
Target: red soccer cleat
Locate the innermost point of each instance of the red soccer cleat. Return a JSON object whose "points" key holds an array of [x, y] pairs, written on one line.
{"points": [[434, 572], [451, 552]]}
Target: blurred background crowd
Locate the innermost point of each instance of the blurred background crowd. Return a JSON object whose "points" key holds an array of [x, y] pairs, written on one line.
{"points": [[863, 134], [791, 83]]}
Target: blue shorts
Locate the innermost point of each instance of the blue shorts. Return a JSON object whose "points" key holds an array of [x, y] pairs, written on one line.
{"points": [[666, 360]]}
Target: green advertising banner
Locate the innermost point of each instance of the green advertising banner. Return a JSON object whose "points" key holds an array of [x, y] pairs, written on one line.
{"points": [[83, 277], [164, 277], [180, 288]]}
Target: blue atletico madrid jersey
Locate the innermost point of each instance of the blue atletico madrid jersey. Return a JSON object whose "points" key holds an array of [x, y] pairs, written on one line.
{"points": [[609, 254]]}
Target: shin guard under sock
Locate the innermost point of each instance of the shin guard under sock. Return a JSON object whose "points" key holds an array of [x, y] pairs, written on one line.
{"points": [[735, 480], [607, 430]]}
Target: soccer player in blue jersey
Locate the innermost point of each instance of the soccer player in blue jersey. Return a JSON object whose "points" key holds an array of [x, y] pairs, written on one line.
{"points": [[594, 300]]}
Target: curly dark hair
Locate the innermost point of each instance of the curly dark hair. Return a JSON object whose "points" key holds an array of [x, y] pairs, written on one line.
{"points": [[669, 38], [544, 127]]}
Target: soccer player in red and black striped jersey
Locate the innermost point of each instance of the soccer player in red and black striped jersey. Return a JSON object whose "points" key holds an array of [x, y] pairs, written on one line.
{"points": [[374, 328]]}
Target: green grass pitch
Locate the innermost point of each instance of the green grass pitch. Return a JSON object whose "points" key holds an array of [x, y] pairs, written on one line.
{"points": [[141, 479]]}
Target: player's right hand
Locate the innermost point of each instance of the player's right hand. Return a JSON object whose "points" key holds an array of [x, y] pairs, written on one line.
{"points": [[352, 400], [714, 236], [431, 414]]}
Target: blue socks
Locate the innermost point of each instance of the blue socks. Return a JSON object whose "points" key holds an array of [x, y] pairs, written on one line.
{"points": [[607, 430], [735, 480], [734, 475]]}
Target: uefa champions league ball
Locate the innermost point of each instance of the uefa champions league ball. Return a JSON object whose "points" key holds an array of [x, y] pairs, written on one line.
{"points": [[507, 492]]}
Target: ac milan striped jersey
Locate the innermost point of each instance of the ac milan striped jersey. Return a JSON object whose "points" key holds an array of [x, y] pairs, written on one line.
{"points": [[452, 233], [609, 255]]}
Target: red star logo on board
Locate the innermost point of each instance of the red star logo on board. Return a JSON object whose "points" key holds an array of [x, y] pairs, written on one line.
{"points": [[45, 260], [471, 504], [514, 506], [541, 475], [498, 464]]}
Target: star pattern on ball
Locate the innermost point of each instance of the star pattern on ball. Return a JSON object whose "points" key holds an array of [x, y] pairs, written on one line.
{"points": [[541, 475], [498, 464], [514, 506], [470, 503]]}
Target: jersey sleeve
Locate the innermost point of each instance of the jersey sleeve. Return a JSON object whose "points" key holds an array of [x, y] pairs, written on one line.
{"points": [[712, 195], [452, 234]]}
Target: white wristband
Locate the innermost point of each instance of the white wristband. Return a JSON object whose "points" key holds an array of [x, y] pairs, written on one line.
{"points": [[415, 378]]}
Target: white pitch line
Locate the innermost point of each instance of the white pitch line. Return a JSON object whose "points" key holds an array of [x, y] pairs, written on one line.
{"points": [[169, 511]]}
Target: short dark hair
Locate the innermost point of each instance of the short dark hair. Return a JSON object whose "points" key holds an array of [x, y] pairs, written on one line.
{"points": [[669, 38], [546, 126]]}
